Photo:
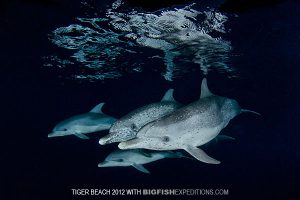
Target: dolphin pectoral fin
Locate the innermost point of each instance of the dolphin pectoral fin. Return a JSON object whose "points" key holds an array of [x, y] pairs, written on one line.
{"points": [[140, 168], [250, 111], [224, 137], [82, 136], [200, 155]]}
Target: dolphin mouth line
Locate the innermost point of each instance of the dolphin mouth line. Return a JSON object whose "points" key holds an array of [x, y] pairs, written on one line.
{"points": [[130, 144]]}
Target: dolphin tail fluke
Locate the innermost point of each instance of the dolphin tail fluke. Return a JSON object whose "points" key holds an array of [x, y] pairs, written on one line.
{"points": [[249, 111], [200, 155], [141, 168], [81, 136]]}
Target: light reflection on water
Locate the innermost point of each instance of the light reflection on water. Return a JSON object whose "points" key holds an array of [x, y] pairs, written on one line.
{"points": [[106, 45]]}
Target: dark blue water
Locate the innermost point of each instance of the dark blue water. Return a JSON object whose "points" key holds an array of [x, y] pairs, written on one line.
{"points": [[261, 163]]}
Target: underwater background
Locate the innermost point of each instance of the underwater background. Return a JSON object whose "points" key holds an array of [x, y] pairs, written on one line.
{"points": [[61, 58]]}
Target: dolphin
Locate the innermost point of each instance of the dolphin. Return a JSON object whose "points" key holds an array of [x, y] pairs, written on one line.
{"points": [[80, 125], [189, 127], [127, 127], [136, 158]]}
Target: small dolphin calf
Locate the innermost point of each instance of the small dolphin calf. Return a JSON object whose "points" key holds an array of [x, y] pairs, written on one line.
{"points": [[79, 125], [188, 127], [127, 127], [136, 158]]}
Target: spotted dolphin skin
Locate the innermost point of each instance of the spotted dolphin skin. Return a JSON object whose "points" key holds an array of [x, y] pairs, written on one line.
{"points": [[136, 158], [80, 125], [127, 127], [189, 127]]}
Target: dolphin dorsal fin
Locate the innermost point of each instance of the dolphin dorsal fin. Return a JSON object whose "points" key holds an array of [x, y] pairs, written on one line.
{"points": [[97, 108], [169, 96], [204, 89]]}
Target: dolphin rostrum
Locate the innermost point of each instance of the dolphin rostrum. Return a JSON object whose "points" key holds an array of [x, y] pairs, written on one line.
{"points": [[79, 125], [188, 127], [127, 127], [136, 158]]}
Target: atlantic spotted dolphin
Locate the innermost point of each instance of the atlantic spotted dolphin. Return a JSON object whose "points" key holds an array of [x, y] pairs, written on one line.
{"points": [[136, 158], [127, 127], [189, 127], [79, 125]]}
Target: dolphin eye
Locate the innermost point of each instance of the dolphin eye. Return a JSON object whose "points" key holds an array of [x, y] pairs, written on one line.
{"points": [[165, 139], [119, 160], [65, 129], [133, 127]]}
